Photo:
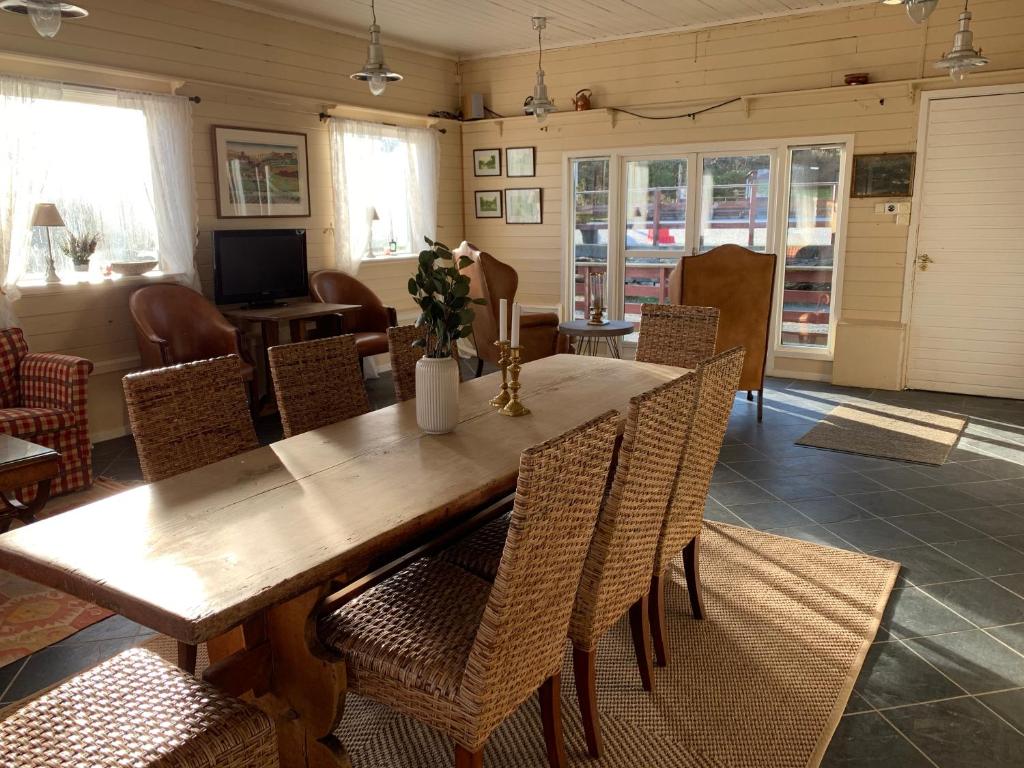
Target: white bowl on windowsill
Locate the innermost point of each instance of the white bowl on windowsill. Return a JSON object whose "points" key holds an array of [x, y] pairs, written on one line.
{"points": [[133, 268]]}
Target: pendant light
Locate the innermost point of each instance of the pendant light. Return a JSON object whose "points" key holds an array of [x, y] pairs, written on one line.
{"points": [[375, 72], [964, 57], [542, 105], [917, 10], [46, 15]]}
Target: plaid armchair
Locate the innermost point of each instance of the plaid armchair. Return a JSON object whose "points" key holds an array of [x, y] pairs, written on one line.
{"points": [[42, 400]]}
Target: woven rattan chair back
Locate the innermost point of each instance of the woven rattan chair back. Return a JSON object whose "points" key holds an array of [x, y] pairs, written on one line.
{"points": [[187, 416], [404, 357], [619, 564], [317, 383], [719, 378], [521, 639], [671, 334]]}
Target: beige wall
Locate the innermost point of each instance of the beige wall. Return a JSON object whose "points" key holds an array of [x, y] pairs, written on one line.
{"points": [[245, 64], [678, 72]]}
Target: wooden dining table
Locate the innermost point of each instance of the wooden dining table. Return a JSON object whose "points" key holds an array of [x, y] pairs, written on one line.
{"points": [[245, 554]]}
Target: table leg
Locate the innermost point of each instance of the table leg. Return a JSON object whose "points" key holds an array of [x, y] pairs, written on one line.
{"points": [[613, 348], [12, 509], [298, 330]]}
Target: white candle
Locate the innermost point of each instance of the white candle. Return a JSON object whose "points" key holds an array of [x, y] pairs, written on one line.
{"points": [[516, 312], [503, 320]]}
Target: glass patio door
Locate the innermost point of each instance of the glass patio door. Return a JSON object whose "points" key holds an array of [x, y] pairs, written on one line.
{"points": [[735, 198]]}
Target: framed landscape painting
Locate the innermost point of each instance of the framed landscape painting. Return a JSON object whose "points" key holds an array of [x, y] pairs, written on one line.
{"points": [[520, 161], [487, 162], [260, 174], [488, 204], [886, 175], [523, 206]]}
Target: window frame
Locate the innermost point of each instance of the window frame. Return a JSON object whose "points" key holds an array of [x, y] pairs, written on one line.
{"points": [[780, 150]]}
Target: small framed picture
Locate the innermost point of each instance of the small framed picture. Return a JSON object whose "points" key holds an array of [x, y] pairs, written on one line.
{"points": [[487, 162], [521, 161], [887, 175], [523, 206], [260, 174], [488, 204]]}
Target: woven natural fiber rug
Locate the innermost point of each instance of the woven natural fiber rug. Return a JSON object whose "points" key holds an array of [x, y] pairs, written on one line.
{"points": [[888, 432], [760, 683], [33, 616]]}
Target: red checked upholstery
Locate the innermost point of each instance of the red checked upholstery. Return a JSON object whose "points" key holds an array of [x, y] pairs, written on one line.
{"points": [[43, 400]]}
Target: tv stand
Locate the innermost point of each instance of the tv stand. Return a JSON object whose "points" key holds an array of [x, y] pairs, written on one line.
{"points": [[268, 304]]}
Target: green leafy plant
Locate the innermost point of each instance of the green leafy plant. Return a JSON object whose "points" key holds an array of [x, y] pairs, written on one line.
{"points": [[441, 292], [80, 248]]}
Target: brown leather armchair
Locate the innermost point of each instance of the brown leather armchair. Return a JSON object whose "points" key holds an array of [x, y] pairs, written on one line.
{"points": [[741, 284], [175, 324], [370, 323], [493, 280]]}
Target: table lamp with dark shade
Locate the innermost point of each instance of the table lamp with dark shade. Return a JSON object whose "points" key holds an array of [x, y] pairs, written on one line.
{"points": [[47, 215]]}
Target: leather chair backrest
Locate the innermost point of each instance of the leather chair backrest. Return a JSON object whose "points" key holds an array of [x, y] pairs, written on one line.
{"points": [[179, 315], [13, 348], [492, 280], [741, 284], [333, 287]]}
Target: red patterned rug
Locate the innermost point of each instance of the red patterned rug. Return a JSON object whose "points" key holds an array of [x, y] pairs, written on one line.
{"points": [[33, 616]]}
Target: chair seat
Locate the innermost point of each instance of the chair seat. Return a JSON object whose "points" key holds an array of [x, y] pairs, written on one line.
{"points": [[417, 627], [136, 710], [27, 422], [480, 552], [369, 343]]}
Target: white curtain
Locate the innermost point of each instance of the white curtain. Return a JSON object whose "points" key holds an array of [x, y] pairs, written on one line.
{"points": [[21, 180], [385, 181], [173, 196]]}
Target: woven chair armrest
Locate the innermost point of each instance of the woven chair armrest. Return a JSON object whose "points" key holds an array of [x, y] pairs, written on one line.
{"points": [[55, 381]]}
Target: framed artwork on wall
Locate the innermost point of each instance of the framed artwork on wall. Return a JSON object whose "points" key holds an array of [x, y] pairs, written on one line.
{"points": [[487, 162], [887, 175], [260, 174], [520, 161], [523, 206], [488, 204]]}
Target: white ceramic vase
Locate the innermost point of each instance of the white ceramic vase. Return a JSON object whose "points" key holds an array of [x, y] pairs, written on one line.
{"points": [[437, 394]]}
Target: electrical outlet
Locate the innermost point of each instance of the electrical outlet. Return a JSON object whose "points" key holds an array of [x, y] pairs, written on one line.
{"points": [[886, 209]]}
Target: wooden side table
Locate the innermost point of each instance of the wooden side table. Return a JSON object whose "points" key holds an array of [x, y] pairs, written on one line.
{"points": [[590, 335], [23, 464]]}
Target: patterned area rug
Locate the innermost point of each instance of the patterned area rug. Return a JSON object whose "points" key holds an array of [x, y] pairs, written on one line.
{"points": [[33, 616], [761, 683], [888, 432]]}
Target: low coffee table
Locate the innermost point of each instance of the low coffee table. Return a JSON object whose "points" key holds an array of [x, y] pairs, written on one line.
{"points": [[23, 464], [590, 335]]}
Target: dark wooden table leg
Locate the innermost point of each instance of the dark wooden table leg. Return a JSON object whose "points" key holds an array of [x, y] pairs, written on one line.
{"points": [[26, 513]]}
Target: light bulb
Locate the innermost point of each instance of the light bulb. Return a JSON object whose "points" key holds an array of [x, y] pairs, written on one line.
{"points": [[540, 113], [920, 10], [378, 83], [45, 17], [958, 74]]}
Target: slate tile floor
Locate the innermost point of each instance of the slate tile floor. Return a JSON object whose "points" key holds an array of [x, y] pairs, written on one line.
{"points": [[943, 684]]}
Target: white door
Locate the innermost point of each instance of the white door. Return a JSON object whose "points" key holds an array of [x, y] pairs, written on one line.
{"points": [[967, 316]]}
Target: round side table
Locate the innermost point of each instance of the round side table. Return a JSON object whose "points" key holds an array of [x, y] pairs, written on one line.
{"points": [[590, 335]]}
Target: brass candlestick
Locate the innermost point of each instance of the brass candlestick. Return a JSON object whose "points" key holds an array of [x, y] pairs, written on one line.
{"points": [[514, 407], [504, 358]]}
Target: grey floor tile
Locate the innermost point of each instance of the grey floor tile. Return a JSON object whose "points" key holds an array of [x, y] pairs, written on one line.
{"points": [[869, 741], [832, 509], [51, 665], [1001, 469], [795, 488], [723, 474], [744, 492], [1014, 583], [961, 733], [944, 497], [895, 676], [925, 565], [1007, 704], [720, 514], [814, 533], [768, 514], [935, 527], [741, 452], [888, 504], [996, 491], [898, 478], [947, 474], [1017, 542], [759, 470], [873, 535], [843, 483], [1012, 635], [973, 660], [981, 601], [855, 704], [987, 556], [913, 613], [109, 629], [995, 521], [8, 673]]}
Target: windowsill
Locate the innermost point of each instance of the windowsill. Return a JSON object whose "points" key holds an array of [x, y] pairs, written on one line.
{"points": [[807, 353], [37, 286], [395, 257]]}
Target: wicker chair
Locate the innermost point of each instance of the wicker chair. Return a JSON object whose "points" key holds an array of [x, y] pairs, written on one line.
{"points": [[185, 417], [671, 334], [136, 710], [317, 383], [460, 654], [404, 357], [719, 379], [619, 565]]}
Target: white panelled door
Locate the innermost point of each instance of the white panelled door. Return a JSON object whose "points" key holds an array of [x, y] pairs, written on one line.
{"points": [[967, 316]]}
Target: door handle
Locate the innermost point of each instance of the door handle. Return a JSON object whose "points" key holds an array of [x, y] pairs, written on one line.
{"points": [[923, 261]]}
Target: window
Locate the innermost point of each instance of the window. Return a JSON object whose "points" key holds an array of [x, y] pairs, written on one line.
{"points": [[734, 201], [589, 227], [385, 190]]}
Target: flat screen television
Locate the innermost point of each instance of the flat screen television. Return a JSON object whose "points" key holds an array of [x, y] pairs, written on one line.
{"points": [[259, 267]]}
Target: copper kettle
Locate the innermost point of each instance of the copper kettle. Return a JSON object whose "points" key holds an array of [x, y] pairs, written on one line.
{"points": [[582, 99]]}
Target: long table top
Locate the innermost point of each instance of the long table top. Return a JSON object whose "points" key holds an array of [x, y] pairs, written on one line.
{"points": [[194, 555]]}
